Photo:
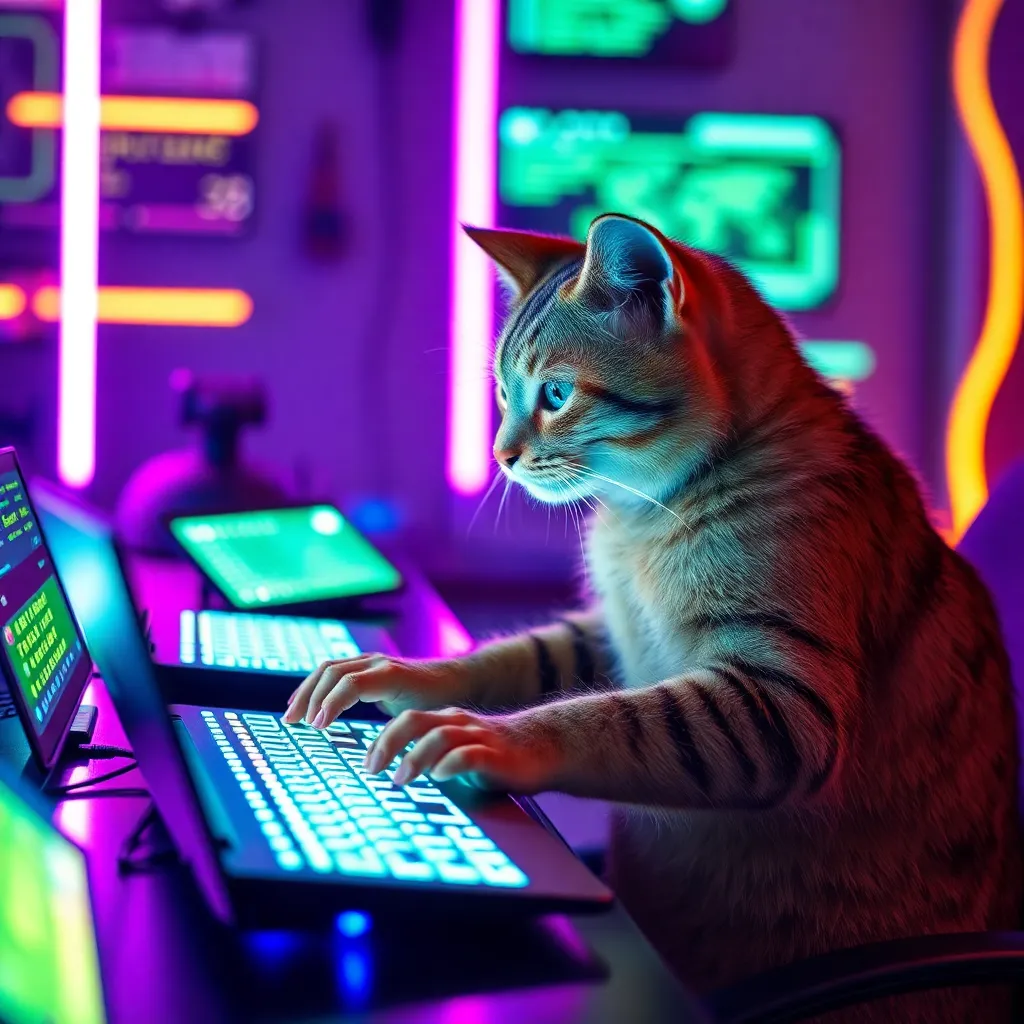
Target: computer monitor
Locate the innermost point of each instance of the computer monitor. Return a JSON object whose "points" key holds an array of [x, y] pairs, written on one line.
{"points": [[49, 965], [43, 657], [763, 190], [85, 557]]}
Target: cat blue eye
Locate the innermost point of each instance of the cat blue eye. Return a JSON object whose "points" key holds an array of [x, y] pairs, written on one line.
{"points": [[555, 394]]}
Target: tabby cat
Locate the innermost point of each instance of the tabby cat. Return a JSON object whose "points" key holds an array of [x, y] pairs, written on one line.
{"points": [[794, 692]]}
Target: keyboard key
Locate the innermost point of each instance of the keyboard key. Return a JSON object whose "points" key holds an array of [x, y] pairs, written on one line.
{"points": [[401, 867], [331, 816], [364, 863], [460, 874]]}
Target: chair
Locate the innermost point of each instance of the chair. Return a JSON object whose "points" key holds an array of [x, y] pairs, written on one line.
{"points": [[995, 546]]}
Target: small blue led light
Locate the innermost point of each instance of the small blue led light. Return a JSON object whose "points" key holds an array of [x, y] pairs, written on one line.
{"points": [[353, 923], [376, 516]]}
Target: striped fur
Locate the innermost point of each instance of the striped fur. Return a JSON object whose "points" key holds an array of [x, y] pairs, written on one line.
{"points": [[811, 739]]}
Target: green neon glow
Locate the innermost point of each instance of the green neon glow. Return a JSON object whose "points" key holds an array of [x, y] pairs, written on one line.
{"points": [[697, 12], [600, 28], [840, 360], [40, 179], [761, 189], [49, 970]]}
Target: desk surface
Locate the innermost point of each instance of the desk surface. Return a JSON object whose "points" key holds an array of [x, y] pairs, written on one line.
{"points": [[165, 960]]}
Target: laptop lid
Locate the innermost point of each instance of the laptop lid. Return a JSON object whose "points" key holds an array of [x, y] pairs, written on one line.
{"points": [[82, 543], [49, 966], [43, 657]]}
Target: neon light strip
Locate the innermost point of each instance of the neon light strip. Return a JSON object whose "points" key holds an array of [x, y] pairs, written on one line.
{"points": [[477, 39], [141, 114], [163, 307], [79, 241], [12, 301], [990, 361]]}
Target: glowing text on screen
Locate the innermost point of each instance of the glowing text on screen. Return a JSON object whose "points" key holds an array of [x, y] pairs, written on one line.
{"points": [[760, 189], [601, 28]]}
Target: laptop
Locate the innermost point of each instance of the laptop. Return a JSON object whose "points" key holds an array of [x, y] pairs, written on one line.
{"points": [[49, 969], [280, 824], [217, 656], [44, 664]]}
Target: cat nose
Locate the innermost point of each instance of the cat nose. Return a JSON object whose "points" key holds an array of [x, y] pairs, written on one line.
{"points": [[507, 457]]}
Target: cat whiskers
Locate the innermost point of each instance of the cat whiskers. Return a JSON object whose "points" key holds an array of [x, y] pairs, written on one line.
{"points": [[576, 467], [631, 490], [483, 500], [501, 504], [578, 515]]}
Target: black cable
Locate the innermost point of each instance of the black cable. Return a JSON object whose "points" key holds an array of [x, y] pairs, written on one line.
{"points": [[100, 751], [93, 779], [111, 791]]}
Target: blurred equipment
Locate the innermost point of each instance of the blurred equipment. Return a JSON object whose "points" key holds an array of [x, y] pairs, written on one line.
{"points": [[325, 223], [223, 657], [307, 557], [206, 478], [51, 962]]}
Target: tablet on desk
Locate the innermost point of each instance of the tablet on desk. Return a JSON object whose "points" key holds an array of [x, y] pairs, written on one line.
{"points": [[285, 557]]}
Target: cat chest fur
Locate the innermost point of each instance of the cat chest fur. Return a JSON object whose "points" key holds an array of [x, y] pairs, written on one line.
{"points": [[647, 589]]}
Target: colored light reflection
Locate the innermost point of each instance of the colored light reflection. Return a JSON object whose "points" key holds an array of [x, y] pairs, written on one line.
{"points": [[162, 307], [72, 817], [354, 975], [452, 638], [972, 404], [141, 114], [472, 301], [79, 243]]}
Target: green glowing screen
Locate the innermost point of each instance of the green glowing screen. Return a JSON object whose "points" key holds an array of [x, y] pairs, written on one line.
{"points": [[840, 360], [285, 556], [49, 971], [601, 28], [760, 189]]}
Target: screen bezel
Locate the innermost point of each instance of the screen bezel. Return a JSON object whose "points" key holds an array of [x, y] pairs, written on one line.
{"points": [[139, 703], [48, 746], [310, 603]]}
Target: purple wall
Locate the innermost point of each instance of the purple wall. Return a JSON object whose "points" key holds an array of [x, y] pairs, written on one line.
{"points": [[313, 323], [356, 371]]}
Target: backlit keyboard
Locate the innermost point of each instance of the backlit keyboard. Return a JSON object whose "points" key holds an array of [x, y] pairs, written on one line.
{"points": [[319, 809], [266, 643]]}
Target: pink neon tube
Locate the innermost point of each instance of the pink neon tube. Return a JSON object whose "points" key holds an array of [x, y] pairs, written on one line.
{"points": [[477, 39], [79, 238]]}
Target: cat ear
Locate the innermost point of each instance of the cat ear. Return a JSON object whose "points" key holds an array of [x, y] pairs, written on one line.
{"points": [[523, 258], [627, 267]]}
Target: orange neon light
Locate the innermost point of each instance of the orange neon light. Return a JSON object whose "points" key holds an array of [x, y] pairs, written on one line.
{"points": [[990, 361], [12, 301], [164, 307], [141, 114]]}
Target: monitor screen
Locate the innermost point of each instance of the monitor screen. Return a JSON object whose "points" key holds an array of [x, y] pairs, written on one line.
{"points": [[760, 189], [285, 556], [44, 658], [679, 32], [49, 967]]}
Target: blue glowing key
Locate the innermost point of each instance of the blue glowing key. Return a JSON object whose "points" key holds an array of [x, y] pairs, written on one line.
{"points": [[289, 860]]}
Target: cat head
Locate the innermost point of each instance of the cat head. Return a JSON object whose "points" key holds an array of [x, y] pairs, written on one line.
{"points": [[603, 371]]}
